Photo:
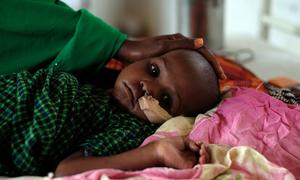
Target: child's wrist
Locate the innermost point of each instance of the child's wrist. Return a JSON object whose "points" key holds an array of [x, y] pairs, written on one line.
{"points": [[160, 153], [154, 153]]}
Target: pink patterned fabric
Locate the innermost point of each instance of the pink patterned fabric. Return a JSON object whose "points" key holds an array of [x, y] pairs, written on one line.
{"points": [[159, 135], [248, 118], [257, 120], [150, 173]]}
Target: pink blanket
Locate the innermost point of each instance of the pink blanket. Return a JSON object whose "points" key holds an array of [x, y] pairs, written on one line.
{"points": [[248, 118], [257, 120]]}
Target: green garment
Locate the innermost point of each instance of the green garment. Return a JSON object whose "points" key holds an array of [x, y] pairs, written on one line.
{"points": [[36, 34], [48, 115], [45, 115]]}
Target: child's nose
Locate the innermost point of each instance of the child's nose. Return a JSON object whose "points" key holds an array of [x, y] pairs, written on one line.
{"points": [[147, 88]]}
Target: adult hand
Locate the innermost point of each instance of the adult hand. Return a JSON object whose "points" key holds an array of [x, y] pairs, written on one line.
{"points": [[178, 152], [132, 51], [211, 58]]}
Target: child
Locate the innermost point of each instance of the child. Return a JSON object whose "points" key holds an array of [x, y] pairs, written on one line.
{"points": [[46, 115], [49, 115]]}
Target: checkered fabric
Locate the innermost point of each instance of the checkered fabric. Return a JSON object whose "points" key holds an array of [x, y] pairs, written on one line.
{"points": [[284, 94], [46, 116]]}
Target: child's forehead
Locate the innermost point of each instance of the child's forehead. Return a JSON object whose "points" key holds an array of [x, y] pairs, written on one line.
{"points": [[201, 59], [186, 65], [185, 59], [185, 54]]}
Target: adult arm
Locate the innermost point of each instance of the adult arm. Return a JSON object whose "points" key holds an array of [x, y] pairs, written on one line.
{"points": [[132, 51], [38, 34]]}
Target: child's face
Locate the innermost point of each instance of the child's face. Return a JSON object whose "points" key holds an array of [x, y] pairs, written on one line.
{"points": [[178, 80]]}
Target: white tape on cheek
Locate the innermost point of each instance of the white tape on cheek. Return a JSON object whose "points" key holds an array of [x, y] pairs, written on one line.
{"points": [[152, 110]]}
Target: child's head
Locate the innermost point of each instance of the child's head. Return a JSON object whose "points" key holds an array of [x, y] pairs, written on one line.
{"points": [[181, 80]]}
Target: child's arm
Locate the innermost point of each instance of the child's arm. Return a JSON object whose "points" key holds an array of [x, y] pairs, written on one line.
{"points": [[178, 152]]}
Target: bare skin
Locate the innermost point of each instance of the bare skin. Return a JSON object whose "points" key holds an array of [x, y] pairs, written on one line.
{"points": [[181, 80], [176, 152], [184, 82], [135, 50], [132, 51]]}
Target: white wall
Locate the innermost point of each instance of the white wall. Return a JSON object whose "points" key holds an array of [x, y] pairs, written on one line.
{"points": [[242, 18], [76, 4], [158, 16], [288, 10]]}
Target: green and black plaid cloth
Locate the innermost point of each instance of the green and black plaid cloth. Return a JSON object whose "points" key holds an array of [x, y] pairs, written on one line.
{"points": [[46, 116]]}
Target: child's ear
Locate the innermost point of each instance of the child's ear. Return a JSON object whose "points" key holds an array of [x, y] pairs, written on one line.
{"points": [[210, 57]]}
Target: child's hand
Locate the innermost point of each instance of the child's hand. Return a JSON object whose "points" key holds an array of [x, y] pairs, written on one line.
{"points": [[151, 47], [203, 153], [177, 152]]}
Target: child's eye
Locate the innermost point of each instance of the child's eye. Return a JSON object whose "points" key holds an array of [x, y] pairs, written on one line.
{"points": [[165, 101], [154, 70]]}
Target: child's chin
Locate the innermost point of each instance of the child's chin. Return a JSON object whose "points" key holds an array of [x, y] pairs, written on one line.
{"points": [[137, 112]]}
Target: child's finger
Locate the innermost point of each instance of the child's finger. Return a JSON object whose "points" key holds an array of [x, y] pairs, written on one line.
{"points": [[191, 145], [204, 156]]}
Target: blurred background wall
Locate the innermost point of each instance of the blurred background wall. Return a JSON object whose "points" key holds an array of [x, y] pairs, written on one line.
{"points": [[225, 18], [267, 31], [137, 17], [140, 18], [245, 18]]}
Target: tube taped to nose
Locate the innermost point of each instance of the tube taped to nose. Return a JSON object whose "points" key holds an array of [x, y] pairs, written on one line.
{"points": [[153, 111]]}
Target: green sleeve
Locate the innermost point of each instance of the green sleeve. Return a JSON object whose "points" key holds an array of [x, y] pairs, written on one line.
{"points": [[46, 33], [123, 133]]}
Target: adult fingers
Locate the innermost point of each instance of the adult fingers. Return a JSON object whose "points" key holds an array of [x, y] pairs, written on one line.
{"points": [[169, 45], [177, 41], [169, 37], [213, 61]]}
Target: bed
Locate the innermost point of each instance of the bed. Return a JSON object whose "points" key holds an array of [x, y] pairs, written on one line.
{"points": [[250, 135]]}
